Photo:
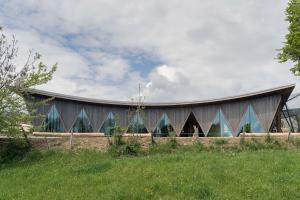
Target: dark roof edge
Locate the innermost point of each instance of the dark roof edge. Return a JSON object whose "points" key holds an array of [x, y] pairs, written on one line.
{"points": [[285, 90]]}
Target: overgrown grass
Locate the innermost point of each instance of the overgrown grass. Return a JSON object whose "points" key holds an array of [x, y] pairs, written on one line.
{"points": [[168, 173], [255, 169]]}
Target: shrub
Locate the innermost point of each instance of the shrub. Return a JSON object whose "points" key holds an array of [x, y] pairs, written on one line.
{"points": [[132, 147], [118, 139], [268, 139], [296, 142], [172, 143], [199, 146], [242, 139], [273, 144], [115, 151], [14, 149], [254, 144], [121, 148], [220, 142]]}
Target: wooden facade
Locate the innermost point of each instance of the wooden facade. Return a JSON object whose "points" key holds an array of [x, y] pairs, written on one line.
{"points": [[266, 105]]}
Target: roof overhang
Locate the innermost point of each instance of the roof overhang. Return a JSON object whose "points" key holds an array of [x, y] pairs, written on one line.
{"points": [[285, 91]]}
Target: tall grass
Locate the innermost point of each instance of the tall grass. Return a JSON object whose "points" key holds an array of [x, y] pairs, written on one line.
{"points": [[182, 174]]}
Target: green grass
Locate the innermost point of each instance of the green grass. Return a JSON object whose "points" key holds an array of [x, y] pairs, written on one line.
{"points": [[262, 174]]}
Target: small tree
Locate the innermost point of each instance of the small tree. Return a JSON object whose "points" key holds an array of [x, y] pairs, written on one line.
{"points": [[291, 49], [15, 85]]}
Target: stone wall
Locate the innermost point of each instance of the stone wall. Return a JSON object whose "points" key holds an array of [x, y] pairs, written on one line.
{"points": [[101, 143]]}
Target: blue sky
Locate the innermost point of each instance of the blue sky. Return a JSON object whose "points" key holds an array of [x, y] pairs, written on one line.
{"points": [[187, 49]]}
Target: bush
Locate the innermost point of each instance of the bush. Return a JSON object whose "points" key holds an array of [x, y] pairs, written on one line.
{"points": [[118, 139], [199, 146], [172, 143], [254, 144], [242, 140], [268, 139], [121, 148], [220, 142], [115, 151], [13, 149], [167, 147], [274, 144], [132, 147], [296, 142]]}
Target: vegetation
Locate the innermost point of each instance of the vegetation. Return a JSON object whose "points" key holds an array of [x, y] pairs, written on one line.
{"points": [[119, 147], [15, 82], [264, 168], [183, 174], [291, 49]]}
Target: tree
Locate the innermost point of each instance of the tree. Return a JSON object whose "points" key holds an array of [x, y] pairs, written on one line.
{"points": [[291, 49], [15, 84]]}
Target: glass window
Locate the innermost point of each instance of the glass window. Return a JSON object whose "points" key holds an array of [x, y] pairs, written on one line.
{"points": [[137, 125], [220, 127], [82, 123], [250, 122], [108, 125], [53, 122], [164, 127]]}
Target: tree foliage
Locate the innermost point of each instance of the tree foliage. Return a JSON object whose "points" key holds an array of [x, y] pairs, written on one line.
{"points": [[15, 83], [291, 49]]}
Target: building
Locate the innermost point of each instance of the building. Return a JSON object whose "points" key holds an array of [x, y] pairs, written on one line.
{"points": [[257, 112]]}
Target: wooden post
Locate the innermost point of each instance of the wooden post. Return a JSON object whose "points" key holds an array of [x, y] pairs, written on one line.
{"points": [[71, 140], [289, 135]]}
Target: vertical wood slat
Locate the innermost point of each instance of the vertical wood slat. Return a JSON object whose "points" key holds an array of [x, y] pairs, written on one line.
{"points": [[178, 117], [265, 109], [92, 115], [68, 111], [121, 115], [234, 113], [231, 112], [205, 115], [152, 117]]}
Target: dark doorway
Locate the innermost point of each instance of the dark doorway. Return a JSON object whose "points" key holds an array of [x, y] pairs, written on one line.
{"points": [[191, 126]]}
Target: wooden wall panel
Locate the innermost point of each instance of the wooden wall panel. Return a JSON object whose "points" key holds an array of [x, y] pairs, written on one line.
{"points": [[95, 114], [265, 109], [178, 117], [121, 115], [205, 115], [68, 111], [152, 117], [234, 112]]}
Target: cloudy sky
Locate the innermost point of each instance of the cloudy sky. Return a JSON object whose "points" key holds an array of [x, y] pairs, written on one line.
{"points": [[177, 50]]}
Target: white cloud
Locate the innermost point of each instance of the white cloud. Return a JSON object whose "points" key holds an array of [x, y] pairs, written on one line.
{"points": [[169, 73], [112, 68], [206, 48]]}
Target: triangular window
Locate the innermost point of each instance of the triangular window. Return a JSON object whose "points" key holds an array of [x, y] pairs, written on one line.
{"points": [[53, 121], [108, 125], [164, 127], [250, 122], [137, 125], [220, 127], [82, 123], [191, 127]]}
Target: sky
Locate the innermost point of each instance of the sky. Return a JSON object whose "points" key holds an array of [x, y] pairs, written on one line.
{"points": [[177, 50]]}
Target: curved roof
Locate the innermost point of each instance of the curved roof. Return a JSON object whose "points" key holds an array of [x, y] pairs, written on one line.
{"points": [[285, 91]]}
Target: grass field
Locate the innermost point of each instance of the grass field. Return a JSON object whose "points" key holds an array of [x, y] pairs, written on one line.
{"points": [[263, 174]]}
